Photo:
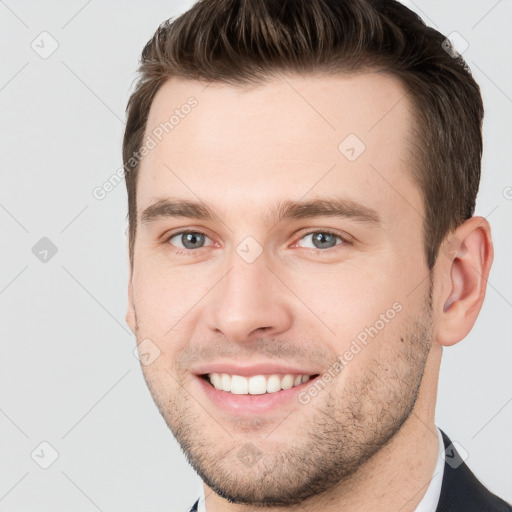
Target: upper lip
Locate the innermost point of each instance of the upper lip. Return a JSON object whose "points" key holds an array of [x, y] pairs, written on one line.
{"points": [[254, 369]]}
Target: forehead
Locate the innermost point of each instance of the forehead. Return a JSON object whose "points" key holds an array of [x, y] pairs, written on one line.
{"points": [[346, 134]]}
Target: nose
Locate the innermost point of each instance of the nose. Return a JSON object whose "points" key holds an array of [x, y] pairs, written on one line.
{"points": [[250, 302]]}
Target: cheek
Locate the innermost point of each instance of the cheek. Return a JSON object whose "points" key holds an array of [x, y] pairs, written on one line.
{"points": [[347, 298], [165, 299], [154, 302]]}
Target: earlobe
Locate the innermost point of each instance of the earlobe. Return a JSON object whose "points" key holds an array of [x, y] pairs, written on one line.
{"points": [[130, 313], [465, 260]]}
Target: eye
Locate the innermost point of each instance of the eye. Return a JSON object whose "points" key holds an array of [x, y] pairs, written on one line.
{"points": [[322, 240], [188, 240]]}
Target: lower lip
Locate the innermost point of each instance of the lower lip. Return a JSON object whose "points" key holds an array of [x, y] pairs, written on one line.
{"points": [[251, 404]]}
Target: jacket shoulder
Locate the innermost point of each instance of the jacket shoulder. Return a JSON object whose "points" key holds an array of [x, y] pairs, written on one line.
{"points": [[461, 491]]}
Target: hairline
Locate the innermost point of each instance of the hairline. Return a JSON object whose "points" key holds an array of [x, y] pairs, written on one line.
{"points": [[415, 146]]}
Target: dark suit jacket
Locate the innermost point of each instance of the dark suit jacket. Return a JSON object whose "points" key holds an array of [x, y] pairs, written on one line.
{"points": [[460, 491]]}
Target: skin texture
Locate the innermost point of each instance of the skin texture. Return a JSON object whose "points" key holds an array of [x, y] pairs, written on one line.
{"points": [[243, 151]]}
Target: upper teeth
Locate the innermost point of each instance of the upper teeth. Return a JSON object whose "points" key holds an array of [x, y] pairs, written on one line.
{"points": [[256, 385]]}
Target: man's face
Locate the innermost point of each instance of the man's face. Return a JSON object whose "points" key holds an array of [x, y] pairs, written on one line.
{"points": [[336, 291]]}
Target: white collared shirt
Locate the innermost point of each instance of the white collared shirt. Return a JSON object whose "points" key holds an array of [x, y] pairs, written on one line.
{"points": [[430, 499]]}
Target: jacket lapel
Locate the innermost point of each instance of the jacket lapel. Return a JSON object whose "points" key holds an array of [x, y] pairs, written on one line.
{"points": [[461, 491]]}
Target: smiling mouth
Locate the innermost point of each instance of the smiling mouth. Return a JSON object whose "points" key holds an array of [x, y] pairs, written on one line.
{"points": [[256, 384]]}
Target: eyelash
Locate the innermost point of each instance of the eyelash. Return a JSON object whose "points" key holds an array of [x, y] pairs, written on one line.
{"points": [[195, 252]]}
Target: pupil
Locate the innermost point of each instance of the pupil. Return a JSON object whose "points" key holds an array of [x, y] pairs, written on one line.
{"points": [[192, 240], [323, 240]]}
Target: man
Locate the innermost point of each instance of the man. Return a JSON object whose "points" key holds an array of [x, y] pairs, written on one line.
{"points": [[302, 179]]}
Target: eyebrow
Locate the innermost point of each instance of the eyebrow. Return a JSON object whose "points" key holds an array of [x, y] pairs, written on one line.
{"points": [[345, 208]]}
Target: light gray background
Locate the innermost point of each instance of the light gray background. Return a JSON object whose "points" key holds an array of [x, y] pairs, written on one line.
{"points": [[68, 374]]}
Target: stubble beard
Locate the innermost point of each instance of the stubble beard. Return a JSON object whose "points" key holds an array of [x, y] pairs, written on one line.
{"points": [[349, 425]]}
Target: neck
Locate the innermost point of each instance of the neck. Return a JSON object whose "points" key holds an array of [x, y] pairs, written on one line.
{"points": [[394, 478]]}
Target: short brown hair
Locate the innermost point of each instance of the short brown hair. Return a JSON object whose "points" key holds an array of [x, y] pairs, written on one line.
{"points": [[246, 42]]}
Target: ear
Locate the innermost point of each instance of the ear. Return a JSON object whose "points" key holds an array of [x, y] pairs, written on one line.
{"points": [[130, 312], [462, 270]]}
